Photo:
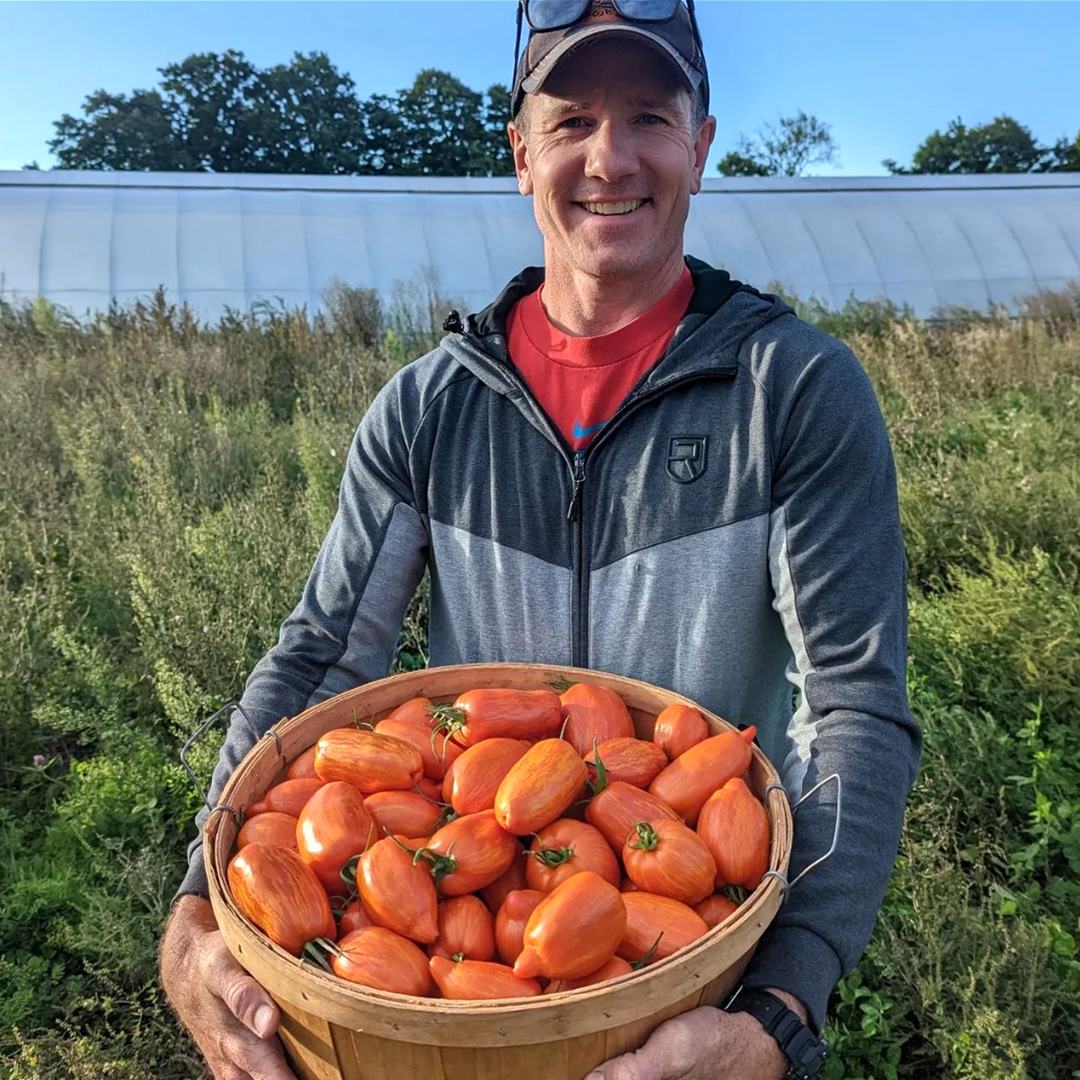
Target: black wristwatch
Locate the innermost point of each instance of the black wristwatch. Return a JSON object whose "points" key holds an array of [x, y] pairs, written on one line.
{"points": [[804, 1050]]}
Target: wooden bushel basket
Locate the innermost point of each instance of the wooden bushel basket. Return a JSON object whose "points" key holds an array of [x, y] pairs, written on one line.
{"points": [[336, 1030]]}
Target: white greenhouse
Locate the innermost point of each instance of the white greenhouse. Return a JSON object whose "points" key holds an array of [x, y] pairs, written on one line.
{"points": [[84, 239]]}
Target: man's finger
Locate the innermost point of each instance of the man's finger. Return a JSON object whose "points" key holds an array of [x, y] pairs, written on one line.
{"points": [[639, 1066], [249, 1003], [264, 1060]]}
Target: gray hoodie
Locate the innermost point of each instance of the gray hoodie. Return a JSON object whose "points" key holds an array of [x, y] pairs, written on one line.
{"points": [[731, 534]]}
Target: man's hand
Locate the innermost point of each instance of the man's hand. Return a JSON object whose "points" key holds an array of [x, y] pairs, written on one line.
{"points": [[231, 1017], [705, 1044]]}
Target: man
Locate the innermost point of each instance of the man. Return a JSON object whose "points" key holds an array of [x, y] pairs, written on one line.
{"points": [[633, 463]]}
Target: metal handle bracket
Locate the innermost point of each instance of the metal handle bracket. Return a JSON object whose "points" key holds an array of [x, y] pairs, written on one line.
{"points": [[786, 885]]}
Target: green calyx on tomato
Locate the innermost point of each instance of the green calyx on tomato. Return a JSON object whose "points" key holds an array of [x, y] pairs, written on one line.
{"points": [[647, 837], [601, 781], [638, 964], [439, 864], [550, 856]]}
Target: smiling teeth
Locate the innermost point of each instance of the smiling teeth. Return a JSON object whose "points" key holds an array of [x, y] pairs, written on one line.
{"points": [[613, 208]]}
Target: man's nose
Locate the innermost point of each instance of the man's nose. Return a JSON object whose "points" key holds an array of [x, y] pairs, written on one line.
{"points": [[610, 154]]}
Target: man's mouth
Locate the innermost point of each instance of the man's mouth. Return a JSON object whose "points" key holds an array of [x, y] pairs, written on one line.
{"points": [[613, 208]]}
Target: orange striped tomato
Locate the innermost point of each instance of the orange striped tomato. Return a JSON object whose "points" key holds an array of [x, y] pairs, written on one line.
{"points": [[677, 728], [594, 714], [633, 761], [479, 980], [696, 773], [271, 827], [281, 895], [669, 859], [288, 797], [735, 827], [466, 930], [540, 787], [567, 847]]}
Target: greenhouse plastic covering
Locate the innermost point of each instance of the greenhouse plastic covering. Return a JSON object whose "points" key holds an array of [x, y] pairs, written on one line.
{"points": [[84, 239]]}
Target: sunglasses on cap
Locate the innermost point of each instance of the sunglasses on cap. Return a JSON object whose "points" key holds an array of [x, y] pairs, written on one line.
{"points": [[544, 17], [556, 14]]}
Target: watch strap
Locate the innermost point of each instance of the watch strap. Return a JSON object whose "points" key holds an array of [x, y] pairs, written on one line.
{"points": [[804, 1050]]}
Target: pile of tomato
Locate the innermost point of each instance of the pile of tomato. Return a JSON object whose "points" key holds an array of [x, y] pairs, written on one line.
{"points": [[512, 843]]}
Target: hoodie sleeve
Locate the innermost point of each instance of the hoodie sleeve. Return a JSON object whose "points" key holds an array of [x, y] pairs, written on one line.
{"points": [[839, 577], [345, 628]]}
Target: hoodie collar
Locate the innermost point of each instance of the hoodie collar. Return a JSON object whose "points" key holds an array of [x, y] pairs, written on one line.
{"points": [[481, 345]]}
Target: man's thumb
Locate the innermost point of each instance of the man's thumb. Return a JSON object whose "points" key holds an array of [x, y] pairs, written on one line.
{"points": [[250, 1004]]}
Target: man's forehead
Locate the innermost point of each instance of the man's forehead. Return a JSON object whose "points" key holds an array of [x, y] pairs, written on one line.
{"points": [[557, 104]]}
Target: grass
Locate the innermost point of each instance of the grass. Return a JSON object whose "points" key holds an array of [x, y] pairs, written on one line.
{"points": [[164, 487]]}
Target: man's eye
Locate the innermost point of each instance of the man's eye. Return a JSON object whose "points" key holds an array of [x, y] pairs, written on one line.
{"points": [[652, 118], [573, 121]]}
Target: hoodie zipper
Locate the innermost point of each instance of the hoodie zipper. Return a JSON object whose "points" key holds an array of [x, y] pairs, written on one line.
{"points": [[576, 512], [579, 642]]}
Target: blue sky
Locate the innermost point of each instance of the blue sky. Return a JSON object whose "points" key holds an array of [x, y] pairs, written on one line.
{"points": [[883, 74]]}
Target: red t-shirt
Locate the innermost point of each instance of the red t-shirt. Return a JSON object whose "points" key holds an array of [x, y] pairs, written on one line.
{"points": [[581, 381]]}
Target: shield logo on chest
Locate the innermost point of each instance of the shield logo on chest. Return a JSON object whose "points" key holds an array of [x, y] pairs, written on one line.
{"points": [[688, 457]]}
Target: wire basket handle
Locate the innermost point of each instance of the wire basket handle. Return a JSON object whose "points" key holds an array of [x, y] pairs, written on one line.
{"points": [[198, 734], [789, 885]]}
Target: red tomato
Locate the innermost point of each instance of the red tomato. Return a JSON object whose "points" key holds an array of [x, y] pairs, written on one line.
{"points": [[567, 847], [479, 980], [677, 728], [368, 761], [430, 789], [615, 967], [715, 909], [288, 797], [405, 812], [633, 761], [668, 859], [415, 710], [303, 767], [498, 713], [354, 917], [466, 930], [573, 930], [511, 921], [735, 827], [496, 893], [436, 751], [474, 778], [383, 960], [281, 895], [594, 714], [332, 828], [271, 827], [650, 919], [540, 787], [619, 807], [398, 893], [696, 773], [470, 853]]}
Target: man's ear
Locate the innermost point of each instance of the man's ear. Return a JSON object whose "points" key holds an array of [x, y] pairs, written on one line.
{"points": [[701, 151], [521, 158]]}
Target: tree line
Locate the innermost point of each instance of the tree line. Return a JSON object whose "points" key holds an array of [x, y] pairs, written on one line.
{"points": [[220, 113]]}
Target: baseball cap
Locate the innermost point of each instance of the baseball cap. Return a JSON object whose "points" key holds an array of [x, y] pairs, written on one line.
{"points": [[676, 39]]}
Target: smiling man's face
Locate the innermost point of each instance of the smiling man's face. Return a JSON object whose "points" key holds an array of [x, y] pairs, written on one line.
{"points": [[611, 159]]}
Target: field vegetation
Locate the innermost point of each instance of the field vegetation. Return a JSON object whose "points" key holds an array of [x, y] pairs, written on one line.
{"points": [[164, 486]]}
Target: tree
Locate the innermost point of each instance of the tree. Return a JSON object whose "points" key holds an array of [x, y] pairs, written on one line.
{"points": [[220, 113], [1002, 146], [118, 132], [786, 148]]}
